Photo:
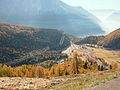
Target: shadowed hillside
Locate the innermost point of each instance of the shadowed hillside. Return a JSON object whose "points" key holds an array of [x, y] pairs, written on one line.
{"points": [[28, 38], [90, 40], [112, 40], [24, 44]]}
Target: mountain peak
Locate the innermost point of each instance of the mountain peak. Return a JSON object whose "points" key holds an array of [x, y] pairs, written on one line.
{"points": [[52, 14]]}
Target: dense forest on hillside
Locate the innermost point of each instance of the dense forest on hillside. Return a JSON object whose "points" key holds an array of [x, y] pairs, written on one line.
{"points": [[26, 45], [27, 38], [70, 67]]}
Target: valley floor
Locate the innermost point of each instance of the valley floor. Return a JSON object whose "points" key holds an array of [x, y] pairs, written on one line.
{"points": [[75, 82]]}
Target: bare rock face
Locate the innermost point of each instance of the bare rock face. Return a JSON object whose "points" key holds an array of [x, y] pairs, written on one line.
{"points": [[50, 14]]}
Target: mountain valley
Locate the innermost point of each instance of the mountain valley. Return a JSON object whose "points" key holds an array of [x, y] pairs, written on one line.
{"points": [[54, 45]]}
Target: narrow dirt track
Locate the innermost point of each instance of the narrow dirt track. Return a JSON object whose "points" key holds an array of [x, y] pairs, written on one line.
{"points": [[110, 85]]}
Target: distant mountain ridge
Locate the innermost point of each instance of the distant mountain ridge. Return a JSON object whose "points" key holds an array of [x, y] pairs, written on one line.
{"points": [[50, 14], [112, 21], [90, 40], [114, 16]]}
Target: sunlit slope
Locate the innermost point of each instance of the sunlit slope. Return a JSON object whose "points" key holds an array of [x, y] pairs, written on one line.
{"points": [[110, 56], [111, 40]]}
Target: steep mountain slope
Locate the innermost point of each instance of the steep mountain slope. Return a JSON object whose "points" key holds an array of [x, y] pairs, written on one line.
{"points": [[50, 14], [28, 38], [26, 44], [112, 40]]}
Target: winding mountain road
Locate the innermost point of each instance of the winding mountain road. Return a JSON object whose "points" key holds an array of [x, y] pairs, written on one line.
{"points": [[110, 85]]}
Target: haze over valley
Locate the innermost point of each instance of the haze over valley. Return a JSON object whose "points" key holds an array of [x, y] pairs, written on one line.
{"points": [[54, 14], [59, 45]]}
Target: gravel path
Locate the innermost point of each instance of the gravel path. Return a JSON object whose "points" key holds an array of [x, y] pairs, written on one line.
{"points": [[110, 85]]}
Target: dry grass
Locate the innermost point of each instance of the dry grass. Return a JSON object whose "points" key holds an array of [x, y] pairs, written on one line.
{"points": [[88, 80], [110, 56]]}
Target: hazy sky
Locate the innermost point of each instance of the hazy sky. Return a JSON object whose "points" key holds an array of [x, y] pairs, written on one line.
{"points": [[101, 9], [95, 4]]}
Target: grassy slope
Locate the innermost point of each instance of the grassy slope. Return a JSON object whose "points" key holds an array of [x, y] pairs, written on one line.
{"points": [[111, 40], [86, 80], [110, 56], [91, 79]]}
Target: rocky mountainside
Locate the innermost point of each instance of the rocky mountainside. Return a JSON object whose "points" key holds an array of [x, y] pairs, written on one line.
{"points": [[25, 45], [50, 14], [111, 40]]}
